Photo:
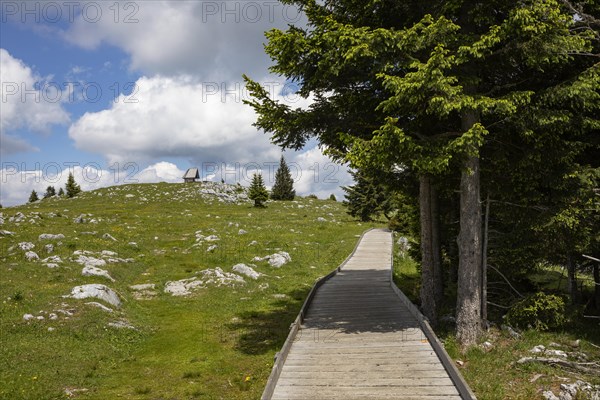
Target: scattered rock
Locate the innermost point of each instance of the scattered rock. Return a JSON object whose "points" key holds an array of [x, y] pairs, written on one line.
{"points": [[242, 232], [321, 219], [253, 243], [31, 256], [577, 390], [487, 346], [51, 329], [95, 290], [6, 233], [49, 248], [80, 220], [121, 324], [89, 261], [183, 287], [109, 237], [211, 248], [213, 277], [70, 392], [26, 246], [540, 349], [514, 334], [28, 317], [49, 236], [276, 260], [89, 270], [246, 270], [143, 291], [212, 238], [52, 259], [548, 395], [143, 286], [460, 363], [108, 253]]}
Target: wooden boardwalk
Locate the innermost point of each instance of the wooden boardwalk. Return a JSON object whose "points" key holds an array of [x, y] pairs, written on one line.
{"points": [[358, 339]]}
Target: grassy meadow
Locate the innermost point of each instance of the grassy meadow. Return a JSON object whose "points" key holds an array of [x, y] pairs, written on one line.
{"points": [[217, 343]]}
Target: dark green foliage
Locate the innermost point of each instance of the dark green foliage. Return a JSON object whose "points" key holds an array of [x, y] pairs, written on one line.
{"points": [[332, 197], [283, 189], [258, 191], [33, 196], [540, 311], [61, 192], [72, 188], [367, 198], [50, 192], [312, 196]]}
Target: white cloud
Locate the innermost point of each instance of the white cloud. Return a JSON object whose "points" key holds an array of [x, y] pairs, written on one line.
{"points": [[175, 117], [211, 39], [22, 105]]}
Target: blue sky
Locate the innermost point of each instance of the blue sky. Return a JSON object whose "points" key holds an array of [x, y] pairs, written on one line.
{"points": [[150, 88]]}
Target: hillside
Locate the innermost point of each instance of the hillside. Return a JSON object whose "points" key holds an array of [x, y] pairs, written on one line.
{"points": [[179, 317]]}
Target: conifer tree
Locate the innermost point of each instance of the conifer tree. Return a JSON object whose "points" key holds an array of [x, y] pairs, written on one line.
{"points": [[258, 191], [61, 192], [50, 192], [283, 189], [33, 196], [72, 188]]}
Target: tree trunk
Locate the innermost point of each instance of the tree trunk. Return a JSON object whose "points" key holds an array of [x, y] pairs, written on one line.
{"points": [[597, 289], [572, 279], [427, 273], [484, 262], [436, 250], [468, 305]]}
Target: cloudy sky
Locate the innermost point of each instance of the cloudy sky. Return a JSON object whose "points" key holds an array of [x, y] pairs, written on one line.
{"points": [[124, 92]]}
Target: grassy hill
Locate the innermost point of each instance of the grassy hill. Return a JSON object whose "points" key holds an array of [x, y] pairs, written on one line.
{"points": [[218, 342]]}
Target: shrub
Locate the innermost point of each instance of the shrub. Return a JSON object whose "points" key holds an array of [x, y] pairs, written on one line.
{"points": [[540, 311], [332, 197], [312, 196]]}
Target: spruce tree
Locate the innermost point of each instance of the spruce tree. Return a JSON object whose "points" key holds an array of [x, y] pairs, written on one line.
{"points": [[366, 198], [61, 192], [33, 196], [283, 189], [72, 188], [50, 192], [258, 191]]}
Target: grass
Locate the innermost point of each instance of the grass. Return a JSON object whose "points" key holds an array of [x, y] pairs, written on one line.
{"points": [[494, 373], [218, 343]]}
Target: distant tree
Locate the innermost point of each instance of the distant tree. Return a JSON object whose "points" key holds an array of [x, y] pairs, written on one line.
{"points": [[61, 192], [258, 192], [50, 192], [33, 196], [283, 189], [72, 188], [366, 198], [332, 197]]}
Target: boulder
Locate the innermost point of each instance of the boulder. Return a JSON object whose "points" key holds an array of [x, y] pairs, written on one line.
{"points": [[89, 270], [50, 236], [26, 246], [243, 269], [97, 291]]}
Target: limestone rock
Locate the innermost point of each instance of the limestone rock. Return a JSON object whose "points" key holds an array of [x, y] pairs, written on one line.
{"points": [[243, 269], [97, 291]]}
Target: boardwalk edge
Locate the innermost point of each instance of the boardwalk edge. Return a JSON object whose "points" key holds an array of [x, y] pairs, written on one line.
{"points": [[461, 385]]}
